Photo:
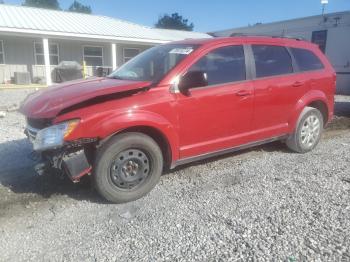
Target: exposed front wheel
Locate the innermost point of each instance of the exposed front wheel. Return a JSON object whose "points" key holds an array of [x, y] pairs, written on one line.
{"points": [[127, 167], [308, 131]]}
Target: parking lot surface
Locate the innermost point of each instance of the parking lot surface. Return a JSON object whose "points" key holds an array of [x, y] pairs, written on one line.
{"points": [[264, 203]]}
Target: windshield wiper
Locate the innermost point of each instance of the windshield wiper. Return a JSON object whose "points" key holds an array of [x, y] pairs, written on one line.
{"points": [[116, 77]]}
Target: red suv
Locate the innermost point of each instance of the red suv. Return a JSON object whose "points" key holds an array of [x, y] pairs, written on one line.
{"points": [[180, 102]]}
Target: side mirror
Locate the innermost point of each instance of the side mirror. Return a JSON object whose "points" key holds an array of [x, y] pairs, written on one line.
{"points": [[192, 79]]}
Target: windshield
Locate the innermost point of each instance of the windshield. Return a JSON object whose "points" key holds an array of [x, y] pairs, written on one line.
{"points": [[153, 64]]}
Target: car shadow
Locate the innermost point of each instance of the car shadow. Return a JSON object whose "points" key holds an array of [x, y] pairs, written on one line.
{"points": [[342, 109], [17, 174], [277, 146], [341, 120]]}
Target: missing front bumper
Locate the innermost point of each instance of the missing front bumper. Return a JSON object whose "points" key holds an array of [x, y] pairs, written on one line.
{"points": [[74, 165]]}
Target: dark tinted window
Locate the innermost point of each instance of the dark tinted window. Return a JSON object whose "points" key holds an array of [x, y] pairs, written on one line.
{"points": [[271, 60], [306, 60], [222, 65]]}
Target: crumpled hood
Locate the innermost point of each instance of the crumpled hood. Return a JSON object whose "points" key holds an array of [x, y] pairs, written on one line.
{"points": [[47, 103]]}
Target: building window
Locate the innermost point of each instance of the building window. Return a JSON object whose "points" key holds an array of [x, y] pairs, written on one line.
{"points": [[320, 38], [2, 53], [129, 53], [39, 53], [93, 55]]}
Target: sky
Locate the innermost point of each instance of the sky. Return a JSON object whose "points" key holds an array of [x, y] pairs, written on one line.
{"points": [[208, 15]]}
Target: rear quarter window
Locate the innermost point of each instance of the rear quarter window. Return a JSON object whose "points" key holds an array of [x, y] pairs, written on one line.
{"points": [[306, 59]]}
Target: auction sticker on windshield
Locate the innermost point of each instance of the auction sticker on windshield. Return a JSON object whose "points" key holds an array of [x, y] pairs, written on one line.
{"points": [[181, 51]]}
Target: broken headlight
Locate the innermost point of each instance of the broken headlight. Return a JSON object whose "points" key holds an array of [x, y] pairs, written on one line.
{"points": [[53, 136]]}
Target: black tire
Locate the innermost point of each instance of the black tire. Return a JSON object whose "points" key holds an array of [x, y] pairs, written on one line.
{"points": [[295, 141], [108, 176]]}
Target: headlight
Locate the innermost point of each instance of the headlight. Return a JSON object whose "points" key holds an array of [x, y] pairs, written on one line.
{"points": [[53, 136]]}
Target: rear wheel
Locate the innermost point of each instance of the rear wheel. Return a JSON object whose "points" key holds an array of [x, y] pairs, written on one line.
{"points": [[308, 131], [127, 167]]}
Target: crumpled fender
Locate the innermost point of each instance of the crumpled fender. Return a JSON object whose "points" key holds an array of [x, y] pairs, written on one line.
{"points": [[109, 123]]}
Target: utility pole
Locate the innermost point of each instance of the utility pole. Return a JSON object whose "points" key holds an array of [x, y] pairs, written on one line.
{"points": [[324, 3]]}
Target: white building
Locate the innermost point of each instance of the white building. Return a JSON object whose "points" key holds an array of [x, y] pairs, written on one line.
{"points": [[36, 40], [331, 32]]}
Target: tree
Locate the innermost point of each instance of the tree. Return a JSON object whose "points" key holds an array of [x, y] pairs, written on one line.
{"points": [[174, 21], [48, 4], [79, 8]]}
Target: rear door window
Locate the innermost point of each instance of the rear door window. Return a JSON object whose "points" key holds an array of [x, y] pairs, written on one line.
{"points": [[222, 65], [272, 60], [306, 60]]}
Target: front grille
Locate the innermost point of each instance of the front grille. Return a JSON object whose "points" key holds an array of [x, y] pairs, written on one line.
{"points": [[38, 123]]}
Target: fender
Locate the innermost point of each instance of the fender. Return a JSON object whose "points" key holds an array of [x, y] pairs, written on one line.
{"points": [[112, 122], [308, 98]]}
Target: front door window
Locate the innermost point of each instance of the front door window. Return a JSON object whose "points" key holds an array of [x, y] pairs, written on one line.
{"points": [[223, 65]]}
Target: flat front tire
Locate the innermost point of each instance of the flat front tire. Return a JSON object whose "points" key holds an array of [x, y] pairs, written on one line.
{"points": [[308, 131], [127, 167]]}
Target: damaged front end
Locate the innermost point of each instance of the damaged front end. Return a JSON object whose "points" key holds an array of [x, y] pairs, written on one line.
{"points": [[51, 151], [74, 164], [55, 144]]}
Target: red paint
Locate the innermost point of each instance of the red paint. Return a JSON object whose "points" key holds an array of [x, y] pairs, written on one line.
{"points": [[203, 121], [84, 173]]}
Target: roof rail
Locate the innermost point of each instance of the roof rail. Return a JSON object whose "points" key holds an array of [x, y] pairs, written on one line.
{"points": [[272, 36]]}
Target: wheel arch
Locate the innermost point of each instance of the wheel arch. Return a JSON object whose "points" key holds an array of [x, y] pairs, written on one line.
{"points": [[315, 99], [157, 136], [322, 107], [155, 133]]}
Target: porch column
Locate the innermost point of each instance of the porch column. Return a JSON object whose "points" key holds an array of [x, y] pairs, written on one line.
{"points": [[47, 61], [114, 56]]}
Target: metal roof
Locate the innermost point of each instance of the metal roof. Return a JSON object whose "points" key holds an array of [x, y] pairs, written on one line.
{"points": [[20, 19], [301, 22]]}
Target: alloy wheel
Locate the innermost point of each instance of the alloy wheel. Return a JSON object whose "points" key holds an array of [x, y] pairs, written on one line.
{"points": [[310, 131]]}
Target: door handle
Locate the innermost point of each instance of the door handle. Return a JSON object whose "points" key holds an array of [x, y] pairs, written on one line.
{"points": [[243, 93], [298, 83]]}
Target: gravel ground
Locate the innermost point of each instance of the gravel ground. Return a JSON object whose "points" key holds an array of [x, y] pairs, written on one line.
{"points": [[260, 204]]}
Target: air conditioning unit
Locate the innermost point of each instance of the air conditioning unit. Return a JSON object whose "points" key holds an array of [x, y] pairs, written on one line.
{"points": [[22, 78]]}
